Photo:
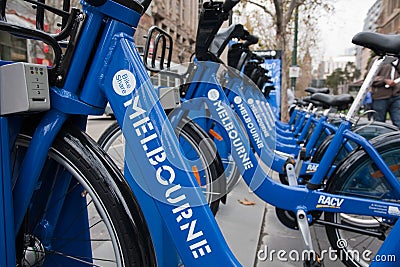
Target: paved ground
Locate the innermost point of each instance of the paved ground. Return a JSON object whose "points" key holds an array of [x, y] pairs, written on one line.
{"points": [[254, 233], [251, 230]]}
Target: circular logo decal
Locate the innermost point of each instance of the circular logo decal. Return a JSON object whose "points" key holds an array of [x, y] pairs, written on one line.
{"points": [[213, 94], [237, 100], [124, 82], [250, 101]]}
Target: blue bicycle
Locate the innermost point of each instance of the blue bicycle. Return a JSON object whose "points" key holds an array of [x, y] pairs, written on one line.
{"points": [[52, 173]]}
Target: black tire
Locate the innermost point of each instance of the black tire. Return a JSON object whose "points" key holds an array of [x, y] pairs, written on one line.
{"points": [[356, 176], [211, 171], [99, 187]]}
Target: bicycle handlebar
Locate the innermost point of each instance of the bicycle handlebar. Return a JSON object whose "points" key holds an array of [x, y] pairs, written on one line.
{"points": [[96, 2], [145, 4], [229, 5], [211, 18], [250, 40]]}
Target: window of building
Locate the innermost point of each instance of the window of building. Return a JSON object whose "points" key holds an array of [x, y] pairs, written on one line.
{"points": [[12, 48]]}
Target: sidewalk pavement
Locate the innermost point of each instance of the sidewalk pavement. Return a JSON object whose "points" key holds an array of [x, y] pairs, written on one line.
{"points": [[252, 230]]}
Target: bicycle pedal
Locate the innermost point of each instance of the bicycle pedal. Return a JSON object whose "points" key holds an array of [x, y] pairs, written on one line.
{"points": [[317, 262], [312, 264]]}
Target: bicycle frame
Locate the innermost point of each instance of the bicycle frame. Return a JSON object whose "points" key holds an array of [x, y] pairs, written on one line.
{"points": [[155, 171], [173, 203], [258, 181], [7, 243], [286, 197]]}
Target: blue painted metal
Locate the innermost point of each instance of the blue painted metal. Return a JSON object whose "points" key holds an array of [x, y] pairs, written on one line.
{"points": [[7, 237], [175, 209], [69, 103], [33, 163], [86, 42], [330, 154], [315, 135], [189, 221], [389, 253]]}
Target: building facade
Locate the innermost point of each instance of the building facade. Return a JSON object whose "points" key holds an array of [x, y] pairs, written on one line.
{"points": [[370, 25], [383, 17], [389, 18], [177, 17]]}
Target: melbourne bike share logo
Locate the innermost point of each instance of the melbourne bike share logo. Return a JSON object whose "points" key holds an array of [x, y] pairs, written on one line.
{"points": [[343, 252]]}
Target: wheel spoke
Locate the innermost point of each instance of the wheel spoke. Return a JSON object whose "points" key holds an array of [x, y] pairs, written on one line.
{"points": [[81, 259]]}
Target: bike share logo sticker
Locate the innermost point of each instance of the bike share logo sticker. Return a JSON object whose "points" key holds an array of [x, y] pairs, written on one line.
{"points": [[124, 82], [213, 94], [238, 100], [329, 202]]}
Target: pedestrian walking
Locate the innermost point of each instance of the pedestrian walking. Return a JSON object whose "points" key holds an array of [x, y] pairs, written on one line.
{"points": [[386, 93]]}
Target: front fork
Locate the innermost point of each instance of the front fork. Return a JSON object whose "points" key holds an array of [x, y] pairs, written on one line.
{"points": [[7, 236]]}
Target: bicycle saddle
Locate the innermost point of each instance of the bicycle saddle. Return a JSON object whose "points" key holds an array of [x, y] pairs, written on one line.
{"points": [[333, 100], [316, 103], [313, 90], [301, 102], [381, 44]]}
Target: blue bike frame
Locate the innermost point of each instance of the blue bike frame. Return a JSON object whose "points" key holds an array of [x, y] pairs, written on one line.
{"points": [[285, 197], [155, 170]]}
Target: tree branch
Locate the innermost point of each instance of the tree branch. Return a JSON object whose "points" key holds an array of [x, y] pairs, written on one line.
{"points": [[292, 6], [263, 7], [279, 17]]}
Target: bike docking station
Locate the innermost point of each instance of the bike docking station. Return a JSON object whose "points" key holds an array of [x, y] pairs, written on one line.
{"points": [[23, 88]]}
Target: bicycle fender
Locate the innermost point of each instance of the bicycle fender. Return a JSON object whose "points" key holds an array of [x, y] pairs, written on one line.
{"points": [[86, 147]]}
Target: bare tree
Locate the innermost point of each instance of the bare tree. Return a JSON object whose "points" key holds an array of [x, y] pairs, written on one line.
{"points": [[281, 14]]}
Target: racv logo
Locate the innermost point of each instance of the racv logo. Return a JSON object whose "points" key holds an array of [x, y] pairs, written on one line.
{"points": [[329, 202], [312, 167]]}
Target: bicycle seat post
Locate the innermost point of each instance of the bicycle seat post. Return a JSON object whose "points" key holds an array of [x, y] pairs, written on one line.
{"points": [[364, 88]]}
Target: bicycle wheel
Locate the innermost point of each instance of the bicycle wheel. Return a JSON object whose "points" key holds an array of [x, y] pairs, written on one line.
{"points": [[195, 145], [368, 130], [359, 176], [232, 173], [82, 213]]}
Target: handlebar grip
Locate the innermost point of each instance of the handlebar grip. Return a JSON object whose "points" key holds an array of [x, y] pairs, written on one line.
{"points": [[3, 10], [229, 4], [145, 4], [250, 40], [95, 2]]}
